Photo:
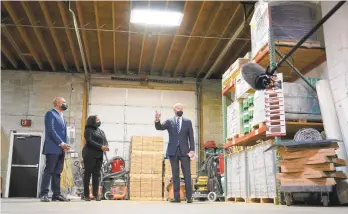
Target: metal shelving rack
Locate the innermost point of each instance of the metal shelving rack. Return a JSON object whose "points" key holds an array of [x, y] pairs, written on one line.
{"points": [[272, 53]]}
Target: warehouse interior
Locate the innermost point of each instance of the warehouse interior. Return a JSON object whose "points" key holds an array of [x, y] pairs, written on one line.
{"points": [[106, 61]]}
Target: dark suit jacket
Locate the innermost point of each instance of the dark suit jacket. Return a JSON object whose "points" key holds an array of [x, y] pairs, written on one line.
{"points": [[184, 137], [95, 139], [55, 133]]}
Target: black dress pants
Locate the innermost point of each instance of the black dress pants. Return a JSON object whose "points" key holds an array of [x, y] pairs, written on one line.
{"points": [[92, 168], [186, 170], [53, 170]]}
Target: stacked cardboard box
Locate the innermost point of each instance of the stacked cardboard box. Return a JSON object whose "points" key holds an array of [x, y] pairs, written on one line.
{"points": [[310, 166], [168, 175], [233, 119], [146, 178]]}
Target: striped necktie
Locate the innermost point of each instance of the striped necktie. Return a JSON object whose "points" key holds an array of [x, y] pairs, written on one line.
{"points": [[178, 125]]}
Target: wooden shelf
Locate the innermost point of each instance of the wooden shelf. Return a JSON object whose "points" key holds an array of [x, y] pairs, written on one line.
{"points": [[305, 58], [260, 134]]}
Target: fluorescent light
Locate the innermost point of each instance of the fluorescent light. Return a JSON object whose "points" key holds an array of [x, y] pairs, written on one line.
{"points": [[156, 17]]}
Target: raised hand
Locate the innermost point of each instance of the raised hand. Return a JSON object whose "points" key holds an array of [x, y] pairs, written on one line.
{"points": [[158, 116]]}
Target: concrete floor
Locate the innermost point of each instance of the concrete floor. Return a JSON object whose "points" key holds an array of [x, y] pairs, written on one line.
{"points": [[28, 206]]}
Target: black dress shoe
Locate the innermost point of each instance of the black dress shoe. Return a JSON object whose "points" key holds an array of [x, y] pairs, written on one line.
{"points": [[59, 198], [87, 198], [189, 201], [175, 201], [44, 198]]}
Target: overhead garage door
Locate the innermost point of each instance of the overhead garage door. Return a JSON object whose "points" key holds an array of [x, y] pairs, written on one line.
{"points": [[126, 112]]}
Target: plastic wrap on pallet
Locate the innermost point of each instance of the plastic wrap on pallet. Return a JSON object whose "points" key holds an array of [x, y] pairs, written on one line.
{"points": [[229, 178], [289, 21], [233, 119], [237, 173], [261, 175], [300, 104]]}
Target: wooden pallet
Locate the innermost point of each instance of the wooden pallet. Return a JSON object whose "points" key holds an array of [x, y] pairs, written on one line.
{"points": [[257, 126], [146, 198], [260, 200], [237, 199]]}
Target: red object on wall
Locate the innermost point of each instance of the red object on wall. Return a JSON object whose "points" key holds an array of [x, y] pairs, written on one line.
{"points": [[221, 164], [210, 144], [117, 165]]}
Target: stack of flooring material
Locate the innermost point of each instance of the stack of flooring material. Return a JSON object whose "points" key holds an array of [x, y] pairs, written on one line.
{"points": [[146, 168], [310, 166], [168, 175]]}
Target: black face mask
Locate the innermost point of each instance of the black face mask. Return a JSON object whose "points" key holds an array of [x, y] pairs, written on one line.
{"points": [[64, 106], [98, 124], [179, 113]]}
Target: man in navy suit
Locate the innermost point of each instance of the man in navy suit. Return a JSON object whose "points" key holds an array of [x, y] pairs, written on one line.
{"points": [[55, 146], [181, 147]]}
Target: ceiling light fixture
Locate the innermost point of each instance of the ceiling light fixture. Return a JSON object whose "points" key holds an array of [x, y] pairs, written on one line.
{"points": [[156, 17]]}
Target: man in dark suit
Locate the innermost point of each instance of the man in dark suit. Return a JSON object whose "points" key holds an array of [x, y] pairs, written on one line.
{"points": [[181, 147], [55, 146]]}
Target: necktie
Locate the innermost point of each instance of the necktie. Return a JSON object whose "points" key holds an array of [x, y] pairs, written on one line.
{"points": [[177, 125]]}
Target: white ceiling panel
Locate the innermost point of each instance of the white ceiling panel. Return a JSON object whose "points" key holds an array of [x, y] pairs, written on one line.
{"points": [[108, 114], [107, 96], [140, 115], [187, 98], [143, 97], [113, 132]]}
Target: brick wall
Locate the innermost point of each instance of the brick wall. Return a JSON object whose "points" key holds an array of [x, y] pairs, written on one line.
{"points": [[212, 112], [336, 43], [29, 95]]}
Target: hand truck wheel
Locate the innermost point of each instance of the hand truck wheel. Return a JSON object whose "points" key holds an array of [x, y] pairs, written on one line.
{"points": [[212, 196]]}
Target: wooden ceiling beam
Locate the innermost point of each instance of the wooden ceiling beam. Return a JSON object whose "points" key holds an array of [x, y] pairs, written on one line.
{"points": [[23, 33], [9, 56], [84, 36], [157, 43], [129, 37], [114, 35], [218, 41], [96, 12], [172, 44], [15, 46], [201, 44], [53, 34], [188, 41], [64, 16], [142, 45], [38, 34]]}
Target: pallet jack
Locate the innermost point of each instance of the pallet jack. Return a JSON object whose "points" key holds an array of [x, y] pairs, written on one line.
{"points": [[208, 185]]}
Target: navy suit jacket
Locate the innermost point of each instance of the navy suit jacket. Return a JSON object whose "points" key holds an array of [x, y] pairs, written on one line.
{"points": [[184, 137], [55, 133]]}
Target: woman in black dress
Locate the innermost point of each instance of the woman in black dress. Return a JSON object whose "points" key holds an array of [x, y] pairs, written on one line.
{"points": [[92, 153]]}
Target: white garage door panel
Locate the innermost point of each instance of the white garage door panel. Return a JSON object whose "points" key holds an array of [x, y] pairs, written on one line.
{"points": [[143, 97], [189, 113], [140, 115], [113, 132], [187, 98], [108, 114], [113, 147], [142, 130], [129, 112], [108, 96]]}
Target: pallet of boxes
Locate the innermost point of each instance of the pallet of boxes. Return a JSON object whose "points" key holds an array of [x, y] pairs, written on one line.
{"points": [[168, 192], [146, 168], [309, 169]]}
